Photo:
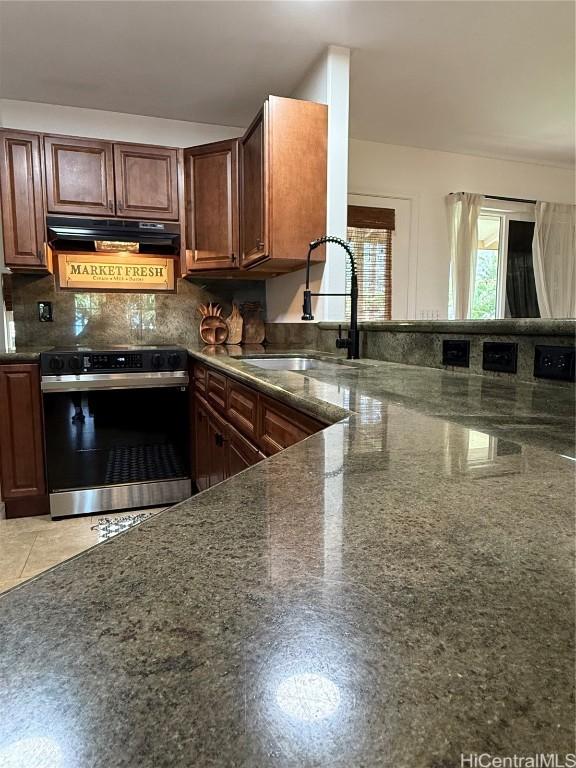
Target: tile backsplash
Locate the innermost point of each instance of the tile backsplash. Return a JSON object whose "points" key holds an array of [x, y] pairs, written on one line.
{"points": [[120, 318]]}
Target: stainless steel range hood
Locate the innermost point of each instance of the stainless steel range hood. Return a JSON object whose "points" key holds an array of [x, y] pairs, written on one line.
{"points": [[79, 234]]}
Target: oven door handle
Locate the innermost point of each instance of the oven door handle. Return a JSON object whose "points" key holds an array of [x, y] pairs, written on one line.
{"points": [[99, 381]]}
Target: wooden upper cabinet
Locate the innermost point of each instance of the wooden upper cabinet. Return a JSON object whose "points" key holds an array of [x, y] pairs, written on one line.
{"points": [[21, 441], [22, 203], [283, 185], [254, 188], [79, 176], [211, 172], [146, 181]]}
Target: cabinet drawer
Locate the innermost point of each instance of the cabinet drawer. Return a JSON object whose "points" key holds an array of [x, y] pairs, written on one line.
{"points": [[199, 374], [241, 453], [242, 409], [216, 390], [281, 426]]}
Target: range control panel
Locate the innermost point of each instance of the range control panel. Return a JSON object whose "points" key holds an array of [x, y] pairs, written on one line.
{"points": [[136, 360], [114, 361]]}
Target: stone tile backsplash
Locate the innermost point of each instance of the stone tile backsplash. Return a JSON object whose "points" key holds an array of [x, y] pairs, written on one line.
{"points": [[92, 319]]}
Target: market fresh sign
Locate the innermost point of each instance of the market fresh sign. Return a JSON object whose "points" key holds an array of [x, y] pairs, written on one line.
{"points": [[104, 273]]}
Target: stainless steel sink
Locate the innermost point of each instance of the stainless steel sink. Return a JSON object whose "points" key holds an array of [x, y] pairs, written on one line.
{"points": [[290, 363]]}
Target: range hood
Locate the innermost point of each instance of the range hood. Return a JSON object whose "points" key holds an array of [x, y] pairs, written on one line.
{"points": [[112, 235]]}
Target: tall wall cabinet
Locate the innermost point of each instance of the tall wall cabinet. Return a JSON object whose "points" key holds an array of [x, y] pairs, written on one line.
{"points": [[22, 200]]}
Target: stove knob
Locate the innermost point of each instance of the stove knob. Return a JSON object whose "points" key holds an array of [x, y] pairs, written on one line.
{"points": [[174, 360], [75, 363], [157, 361], [56, 364]]}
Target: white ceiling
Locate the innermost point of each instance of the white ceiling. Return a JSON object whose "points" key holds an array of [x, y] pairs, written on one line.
{"points": [[490, 77]]}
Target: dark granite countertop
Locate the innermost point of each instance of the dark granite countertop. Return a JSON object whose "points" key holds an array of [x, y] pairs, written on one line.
{"points": [[526, 326], [393, 591], [22, 356]]}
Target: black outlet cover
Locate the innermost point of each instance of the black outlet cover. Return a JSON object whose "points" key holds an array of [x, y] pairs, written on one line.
{"points": [[500, 356], [554, 362], [456, 352], [45, 312]]}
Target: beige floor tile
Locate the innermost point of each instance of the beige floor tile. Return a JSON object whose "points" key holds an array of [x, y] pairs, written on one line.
{"points": [[14, 553], [4, 585], [24, 525], [33, 545], [49, 553]]}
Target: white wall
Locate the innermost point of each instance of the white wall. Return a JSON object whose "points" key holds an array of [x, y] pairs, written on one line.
{"points": [[424, 177], [115, 126], [327, 82]]}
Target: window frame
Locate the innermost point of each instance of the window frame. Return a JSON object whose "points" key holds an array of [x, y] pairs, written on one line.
{"points": [[506, 210]]}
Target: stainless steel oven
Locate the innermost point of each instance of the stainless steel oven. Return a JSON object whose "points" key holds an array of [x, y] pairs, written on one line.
{"points": [[116, 428]]}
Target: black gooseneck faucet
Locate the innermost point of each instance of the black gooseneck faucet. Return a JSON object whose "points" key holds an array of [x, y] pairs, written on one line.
{"points": [[352, 343]]}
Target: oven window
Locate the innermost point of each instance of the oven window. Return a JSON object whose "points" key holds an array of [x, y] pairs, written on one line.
{"points": [[97, 439]]}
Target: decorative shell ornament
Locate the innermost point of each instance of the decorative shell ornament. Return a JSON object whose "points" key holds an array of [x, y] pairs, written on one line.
{"points": [[213, 327], [234, 322]]}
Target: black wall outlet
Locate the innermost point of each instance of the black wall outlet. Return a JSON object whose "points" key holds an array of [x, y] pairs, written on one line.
{"points": [[456, 352], [45, 311], [500, 356], [554, 362]]}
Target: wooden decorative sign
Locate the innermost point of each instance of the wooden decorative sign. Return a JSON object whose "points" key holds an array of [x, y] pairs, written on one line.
{"points": [[114, 272]]}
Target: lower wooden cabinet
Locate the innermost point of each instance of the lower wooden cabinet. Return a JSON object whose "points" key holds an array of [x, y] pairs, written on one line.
{"points": [[235, 426], [280, 426], [219, 450], [22, 477]]}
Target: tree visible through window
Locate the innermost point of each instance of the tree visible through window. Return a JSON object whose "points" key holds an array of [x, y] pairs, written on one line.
{"points": [[370, 237], [485, 285]]}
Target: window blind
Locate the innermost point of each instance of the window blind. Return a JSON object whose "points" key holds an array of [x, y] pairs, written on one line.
{"points": [[370, 237]]}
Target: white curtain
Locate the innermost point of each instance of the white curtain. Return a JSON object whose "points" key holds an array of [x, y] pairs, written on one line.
{"points": [[463, 210], [554, 254]]}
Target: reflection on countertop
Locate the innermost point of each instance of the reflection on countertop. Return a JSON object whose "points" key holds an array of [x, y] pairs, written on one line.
{"points": [[393, 591]]}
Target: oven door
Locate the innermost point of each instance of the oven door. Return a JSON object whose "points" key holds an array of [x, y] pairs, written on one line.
{"points": [[116, 441]]}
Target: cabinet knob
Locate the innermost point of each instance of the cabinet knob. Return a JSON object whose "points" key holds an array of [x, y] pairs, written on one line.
{"points": [[110, 205], [259, 244], [232, 258], [120, 205]]}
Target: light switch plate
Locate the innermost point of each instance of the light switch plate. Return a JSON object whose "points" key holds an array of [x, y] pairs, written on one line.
{"points": [[45, 312], [456, 352], [500, 356]]}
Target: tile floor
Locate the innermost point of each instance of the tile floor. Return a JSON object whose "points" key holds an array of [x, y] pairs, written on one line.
{"points": [[30, 545]]}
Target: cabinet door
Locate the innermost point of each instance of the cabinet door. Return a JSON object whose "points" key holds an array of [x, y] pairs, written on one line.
{"points": [[21, 442], [79, 176], [241, 453], [254, 191], [281, 426], [212, 205], [22, 204], [146, 181], [201, 445], [217, 448]]}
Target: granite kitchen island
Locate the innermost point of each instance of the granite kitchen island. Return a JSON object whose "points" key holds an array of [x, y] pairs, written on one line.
{"points": [[393, 591]]}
